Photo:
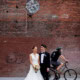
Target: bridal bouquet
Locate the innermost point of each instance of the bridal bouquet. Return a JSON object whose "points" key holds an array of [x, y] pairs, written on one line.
{"points": [[37, 67]]}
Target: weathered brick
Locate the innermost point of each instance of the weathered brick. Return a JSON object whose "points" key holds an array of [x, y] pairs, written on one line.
{"points": [[57, 23]]}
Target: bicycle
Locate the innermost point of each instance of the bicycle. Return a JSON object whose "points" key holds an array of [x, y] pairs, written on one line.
{"points": [[68, 73]]}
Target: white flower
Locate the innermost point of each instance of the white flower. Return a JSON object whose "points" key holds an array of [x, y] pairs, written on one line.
{"points": [[37, 67]]}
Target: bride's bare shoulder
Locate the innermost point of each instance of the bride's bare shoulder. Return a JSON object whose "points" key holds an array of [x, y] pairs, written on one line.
{"points": [[30, 54]]}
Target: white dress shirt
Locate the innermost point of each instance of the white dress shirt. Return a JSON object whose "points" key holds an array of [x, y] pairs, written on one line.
{"points": [[42, 57]]}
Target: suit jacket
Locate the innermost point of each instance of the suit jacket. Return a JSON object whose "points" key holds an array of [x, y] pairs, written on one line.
{"points": [[46, 60]]}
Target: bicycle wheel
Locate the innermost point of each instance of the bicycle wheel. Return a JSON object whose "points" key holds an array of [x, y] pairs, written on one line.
{"points": [[54, 75], [70, 73]]}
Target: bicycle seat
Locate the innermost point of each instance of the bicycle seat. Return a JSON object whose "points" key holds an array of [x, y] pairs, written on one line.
{"points": [[53, 67]]}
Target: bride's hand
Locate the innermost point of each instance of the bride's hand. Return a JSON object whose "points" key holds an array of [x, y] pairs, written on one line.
{"points": [[33, 66]]}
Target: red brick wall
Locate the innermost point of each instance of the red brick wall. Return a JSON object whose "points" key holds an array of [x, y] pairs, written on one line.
{"points": [[55, 24]]}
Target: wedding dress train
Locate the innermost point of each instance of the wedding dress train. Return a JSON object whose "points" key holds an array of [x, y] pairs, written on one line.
{"points": [[32, 75]]}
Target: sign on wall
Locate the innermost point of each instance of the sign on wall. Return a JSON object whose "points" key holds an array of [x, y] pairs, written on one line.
{"points": [[32, 6]]}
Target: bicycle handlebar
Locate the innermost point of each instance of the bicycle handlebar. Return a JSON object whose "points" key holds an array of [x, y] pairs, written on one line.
{"points": [[66, 63]]}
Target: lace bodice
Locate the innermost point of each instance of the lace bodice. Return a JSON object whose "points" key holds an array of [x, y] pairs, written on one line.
{"points": [[34, 58]]}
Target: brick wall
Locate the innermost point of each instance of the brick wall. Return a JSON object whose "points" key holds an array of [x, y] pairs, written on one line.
{"points": [[55, 24]]}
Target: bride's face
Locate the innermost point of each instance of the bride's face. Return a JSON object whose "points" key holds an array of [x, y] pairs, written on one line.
{"points": [[35, 50]]}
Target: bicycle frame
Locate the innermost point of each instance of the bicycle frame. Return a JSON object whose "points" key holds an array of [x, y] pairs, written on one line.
{"points": [[57, 74], [65, 66]]}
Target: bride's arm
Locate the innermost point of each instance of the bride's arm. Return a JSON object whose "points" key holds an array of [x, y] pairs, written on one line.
{"points": [[31, 61], [39, 60]]}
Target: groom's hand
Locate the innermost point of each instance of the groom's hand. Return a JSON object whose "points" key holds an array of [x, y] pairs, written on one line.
{"points": [[47, 69]]}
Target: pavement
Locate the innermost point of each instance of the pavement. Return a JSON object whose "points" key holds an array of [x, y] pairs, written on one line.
{"points": [[22, 78]]}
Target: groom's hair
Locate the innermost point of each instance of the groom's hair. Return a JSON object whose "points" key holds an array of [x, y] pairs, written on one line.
{"points": [[44, 45]]}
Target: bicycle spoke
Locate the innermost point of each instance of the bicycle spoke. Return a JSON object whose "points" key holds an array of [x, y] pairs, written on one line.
{"points": [[54, 75], [70, 74]]}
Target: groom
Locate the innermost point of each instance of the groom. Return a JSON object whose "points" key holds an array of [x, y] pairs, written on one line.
{"points": [[44, 62]]}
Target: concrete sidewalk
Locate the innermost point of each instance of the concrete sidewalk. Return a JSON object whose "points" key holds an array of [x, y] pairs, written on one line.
{"points": [[22, 78]]}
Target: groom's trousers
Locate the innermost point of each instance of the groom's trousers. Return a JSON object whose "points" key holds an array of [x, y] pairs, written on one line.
{"points": [[44, 72]]}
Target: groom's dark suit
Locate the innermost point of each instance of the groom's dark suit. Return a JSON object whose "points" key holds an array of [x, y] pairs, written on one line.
{"points": [[45, 64]]}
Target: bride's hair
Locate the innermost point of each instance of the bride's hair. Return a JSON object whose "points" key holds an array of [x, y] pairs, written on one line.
{"points": [[34, 47]]}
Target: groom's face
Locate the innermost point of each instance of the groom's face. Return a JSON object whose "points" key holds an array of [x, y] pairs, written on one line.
{"points": [[43, 49]]}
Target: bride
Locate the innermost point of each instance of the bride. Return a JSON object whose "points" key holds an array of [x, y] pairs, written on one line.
{"points": [[34, 72]]}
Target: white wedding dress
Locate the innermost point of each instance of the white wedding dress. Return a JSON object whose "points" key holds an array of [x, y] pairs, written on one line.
{"points": [[32, 75]]}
